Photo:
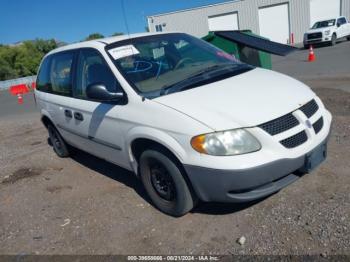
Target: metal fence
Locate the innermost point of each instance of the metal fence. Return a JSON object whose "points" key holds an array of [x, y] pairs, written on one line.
{"points": [[23, 80]]}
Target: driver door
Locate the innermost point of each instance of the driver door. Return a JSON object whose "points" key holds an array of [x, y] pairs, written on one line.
{"points": [[97, 125]]}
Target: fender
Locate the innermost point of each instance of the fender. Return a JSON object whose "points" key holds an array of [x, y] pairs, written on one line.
{"points": [[45, 113], [156, 135]]}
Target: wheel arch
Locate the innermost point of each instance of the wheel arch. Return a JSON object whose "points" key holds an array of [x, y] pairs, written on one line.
{"points": [[141, 138], [46, 119]]}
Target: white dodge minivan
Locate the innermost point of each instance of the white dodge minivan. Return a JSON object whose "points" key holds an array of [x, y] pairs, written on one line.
{"points": [[187, 118]]}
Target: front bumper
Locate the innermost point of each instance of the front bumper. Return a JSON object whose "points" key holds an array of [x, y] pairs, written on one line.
{"points": [[214, 185], [322, 39]]}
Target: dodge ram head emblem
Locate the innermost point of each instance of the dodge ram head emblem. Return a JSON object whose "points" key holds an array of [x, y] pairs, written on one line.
{"points": [[308, 123]]}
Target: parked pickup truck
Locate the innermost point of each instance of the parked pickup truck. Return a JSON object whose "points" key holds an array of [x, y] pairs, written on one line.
{"points": [[327, 31]]}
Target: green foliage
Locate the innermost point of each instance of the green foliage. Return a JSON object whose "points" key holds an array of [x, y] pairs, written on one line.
{"points": [[94, 36], [118, 33], [23, 59]]}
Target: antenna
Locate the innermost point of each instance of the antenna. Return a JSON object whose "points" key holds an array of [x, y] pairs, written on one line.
{"points": [[124, 15]]}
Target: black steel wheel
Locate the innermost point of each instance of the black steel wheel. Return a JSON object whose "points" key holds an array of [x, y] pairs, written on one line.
{"points": [[164, 182], [59, 145]]}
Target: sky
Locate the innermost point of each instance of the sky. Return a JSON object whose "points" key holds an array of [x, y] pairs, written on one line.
{"points": [[72, 20]]}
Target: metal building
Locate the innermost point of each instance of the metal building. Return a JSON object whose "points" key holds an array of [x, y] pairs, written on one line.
{"points": [[283, 21]]}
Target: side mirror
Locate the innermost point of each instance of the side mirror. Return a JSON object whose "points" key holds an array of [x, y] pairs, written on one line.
{"points": [[99, 92], [338, 24]]}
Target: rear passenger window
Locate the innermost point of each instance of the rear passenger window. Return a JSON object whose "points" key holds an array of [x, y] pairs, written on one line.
{"points": [[92, 69], [60, 73], [43, 80]]}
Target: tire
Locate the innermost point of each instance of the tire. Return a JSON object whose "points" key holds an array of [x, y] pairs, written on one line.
{"points": [[348, 38], [60, 147], [164, 182], [334, 40], [306, 46]]}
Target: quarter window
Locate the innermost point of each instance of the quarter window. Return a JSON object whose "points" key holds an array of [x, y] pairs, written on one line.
{"points": [[43, 82], [92, 69], [61, 80]]}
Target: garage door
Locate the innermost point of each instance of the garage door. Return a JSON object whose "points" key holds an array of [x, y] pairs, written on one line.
{"points": [[223, 22], [274, 23], [323, 9]]}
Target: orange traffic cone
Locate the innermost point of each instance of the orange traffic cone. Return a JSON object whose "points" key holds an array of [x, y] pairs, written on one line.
{"points": [[20, 99], [312, 56]]}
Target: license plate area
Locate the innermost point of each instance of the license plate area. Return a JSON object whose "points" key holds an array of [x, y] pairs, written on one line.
{"points": [[315, 158]]}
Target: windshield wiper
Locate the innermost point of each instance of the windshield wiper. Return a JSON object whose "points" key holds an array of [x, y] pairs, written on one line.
{"points": [[198, 77]]}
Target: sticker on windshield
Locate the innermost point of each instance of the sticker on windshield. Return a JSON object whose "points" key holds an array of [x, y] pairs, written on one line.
{"points": [[226, 55], [123, 51]]}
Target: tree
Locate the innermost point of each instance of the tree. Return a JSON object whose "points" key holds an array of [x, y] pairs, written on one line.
{"points": [[24, 59], [118, 33], [94, 36]]}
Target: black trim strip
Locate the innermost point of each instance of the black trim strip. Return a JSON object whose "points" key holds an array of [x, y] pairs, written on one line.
{"points": [[93, 139]]}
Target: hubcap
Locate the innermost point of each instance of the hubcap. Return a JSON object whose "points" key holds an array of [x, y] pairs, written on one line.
{"points": [[162, 182]]}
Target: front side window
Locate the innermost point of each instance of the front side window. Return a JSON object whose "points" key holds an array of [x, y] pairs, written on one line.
{"points": [[92, 69], [60, 73], [155, 64], [342, 21]]}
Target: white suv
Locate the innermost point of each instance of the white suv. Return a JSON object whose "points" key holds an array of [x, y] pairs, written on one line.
{"points": [[187, 118]]}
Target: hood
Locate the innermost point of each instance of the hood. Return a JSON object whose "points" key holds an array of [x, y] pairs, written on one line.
{"points": [[319, 30], [245, 100]]}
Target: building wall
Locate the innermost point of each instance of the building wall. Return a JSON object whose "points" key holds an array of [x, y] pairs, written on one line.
{"points": [[195, 21], [345, 8]]}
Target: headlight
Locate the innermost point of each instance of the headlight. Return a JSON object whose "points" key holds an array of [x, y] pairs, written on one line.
{"points": [[328, 32], [226, 143]]}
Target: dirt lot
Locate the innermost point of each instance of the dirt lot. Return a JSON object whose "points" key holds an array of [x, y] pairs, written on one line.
{"points": [[83, 205]]}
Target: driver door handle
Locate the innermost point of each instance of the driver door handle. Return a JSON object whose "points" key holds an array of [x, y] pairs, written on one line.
{"points": [[68, 113]]}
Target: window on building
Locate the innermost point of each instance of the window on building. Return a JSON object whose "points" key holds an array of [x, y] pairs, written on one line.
{"points": [[159, 28]]}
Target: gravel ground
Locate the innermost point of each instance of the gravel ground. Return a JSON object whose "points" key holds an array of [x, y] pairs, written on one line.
{"points": [[84, 205]]}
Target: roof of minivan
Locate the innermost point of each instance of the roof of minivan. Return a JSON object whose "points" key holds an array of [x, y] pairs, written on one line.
{"points": [[103, 41]]}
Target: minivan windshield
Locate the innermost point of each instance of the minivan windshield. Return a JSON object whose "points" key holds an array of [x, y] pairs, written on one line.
{"points": [[166, 63], [323, 24]]}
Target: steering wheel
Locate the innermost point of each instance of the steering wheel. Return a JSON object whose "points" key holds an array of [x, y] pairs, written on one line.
{"points": [[182, 61]]}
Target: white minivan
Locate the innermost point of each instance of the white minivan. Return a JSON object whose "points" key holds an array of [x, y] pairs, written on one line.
{"points": [[187, 118]]}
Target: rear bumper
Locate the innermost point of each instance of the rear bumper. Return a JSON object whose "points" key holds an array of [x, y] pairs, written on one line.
{"points": [[213, 185]]}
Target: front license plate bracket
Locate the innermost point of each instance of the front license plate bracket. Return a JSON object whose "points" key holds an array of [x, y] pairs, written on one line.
{"points": [[315, 158]]}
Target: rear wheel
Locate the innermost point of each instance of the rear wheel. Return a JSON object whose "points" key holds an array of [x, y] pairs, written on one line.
{"points": [[334, 39], [306, 46], [59, 145], [164, 182], [348, 38]]}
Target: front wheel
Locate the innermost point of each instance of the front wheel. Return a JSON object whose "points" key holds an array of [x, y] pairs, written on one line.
{"points": [[348, 38], [334, 40], [164, 182]]}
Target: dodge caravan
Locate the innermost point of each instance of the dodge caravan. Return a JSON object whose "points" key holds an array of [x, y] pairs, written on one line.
{"points": [[188, 119]]}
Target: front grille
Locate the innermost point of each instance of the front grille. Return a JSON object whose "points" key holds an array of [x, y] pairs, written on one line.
{"points": [[310, 108], [280, 124], [294, 141], [314, 36], [318, 125]]}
